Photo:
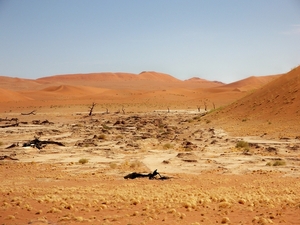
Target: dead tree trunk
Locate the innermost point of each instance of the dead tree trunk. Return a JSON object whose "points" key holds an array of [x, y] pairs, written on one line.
{"points": [[40, 144], [168, 109], [107, 112], [10, 125], [26, 114], [92, 108], [205, 106], [198, 107], [214, 105], [123, 110]]}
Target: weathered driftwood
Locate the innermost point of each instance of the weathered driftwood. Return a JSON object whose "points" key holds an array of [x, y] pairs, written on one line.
{"points": [[40, 144], [26, 114], [151, 176], [92, 108], [9, 120], [3, 157], [12, 119], [13, 145], [38, 122], [9, 125]]}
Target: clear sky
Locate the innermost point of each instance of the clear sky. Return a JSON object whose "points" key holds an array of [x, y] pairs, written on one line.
{"points": [[211, 39]]}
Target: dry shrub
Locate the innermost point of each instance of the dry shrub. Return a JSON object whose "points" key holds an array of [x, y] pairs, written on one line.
{"points": [[167, 146], [113, 165], [10, 217], [83, 161], [225, 220], [102, 136], [131, 164], [279, 163], [224, 205], [276, 163], [242, 144]]}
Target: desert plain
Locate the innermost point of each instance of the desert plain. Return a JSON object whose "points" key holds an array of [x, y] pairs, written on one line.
{"points": [[228, 153]]}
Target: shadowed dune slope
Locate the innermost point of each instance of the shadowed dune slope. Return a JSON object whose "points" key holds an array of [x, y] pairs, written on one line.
{"points": [[17, 84], [251, 83], [8, 95], [62, 92], [274, 108]]}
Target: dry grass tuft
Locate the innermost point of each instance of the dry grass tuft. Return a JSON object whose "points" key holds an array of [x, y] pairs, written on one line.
{"points": [[83, 161]]}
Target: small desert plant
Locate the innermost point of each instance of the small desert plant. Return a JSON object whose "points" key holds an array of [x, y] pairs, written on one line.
{"points": [[83, 161], [167, 146], [279, 163], [102, 136], [242, 144], [105, 127], [113, 165], [188, 149], [131, 164], [197, 118]]}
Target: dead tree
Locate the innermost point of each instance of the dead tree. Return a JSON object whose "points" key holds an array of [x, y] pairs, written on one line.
{"points": [[10, 120], [151, 176], [107, 112], [7, 157], [198, 107], [205, 106], [13, 145], [92, 108], [168, 109], [26, 114], [123, 110], [214, 105], [40, 144]]}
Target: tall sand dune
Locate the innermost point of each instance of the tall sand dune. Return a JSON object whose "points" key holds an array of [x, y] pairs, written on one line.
{"points": [[272, 109], [251, 83]]}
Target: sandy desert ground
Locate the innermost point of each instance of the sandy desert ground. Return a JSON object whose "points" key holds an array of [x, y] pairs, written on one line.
{"points": [[237, 162]]}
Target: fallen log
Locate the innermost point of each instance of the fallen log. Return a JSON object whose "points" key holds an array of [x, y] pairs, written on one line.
{"points": [[10, 125], [3, 157], [40, 144], [151, 176], [26, 114], [13, 145]]}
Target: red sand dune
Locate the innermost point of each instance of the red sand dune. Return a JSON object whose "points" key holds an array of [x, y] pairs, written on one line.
{"points": [[279, 98], [250, 83], [202, 83], [8, 95], [146, 87], [275, 108], [17, 84]]}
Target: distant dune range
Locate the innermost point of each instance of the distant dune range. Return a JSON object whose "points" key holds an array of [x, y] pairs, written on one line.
{"points": [[146, 85], [257, 104]]}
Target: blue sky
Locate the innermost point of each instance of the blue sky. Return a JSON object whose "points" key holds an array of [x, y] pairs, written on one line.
{"points": [[211, 39]]}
